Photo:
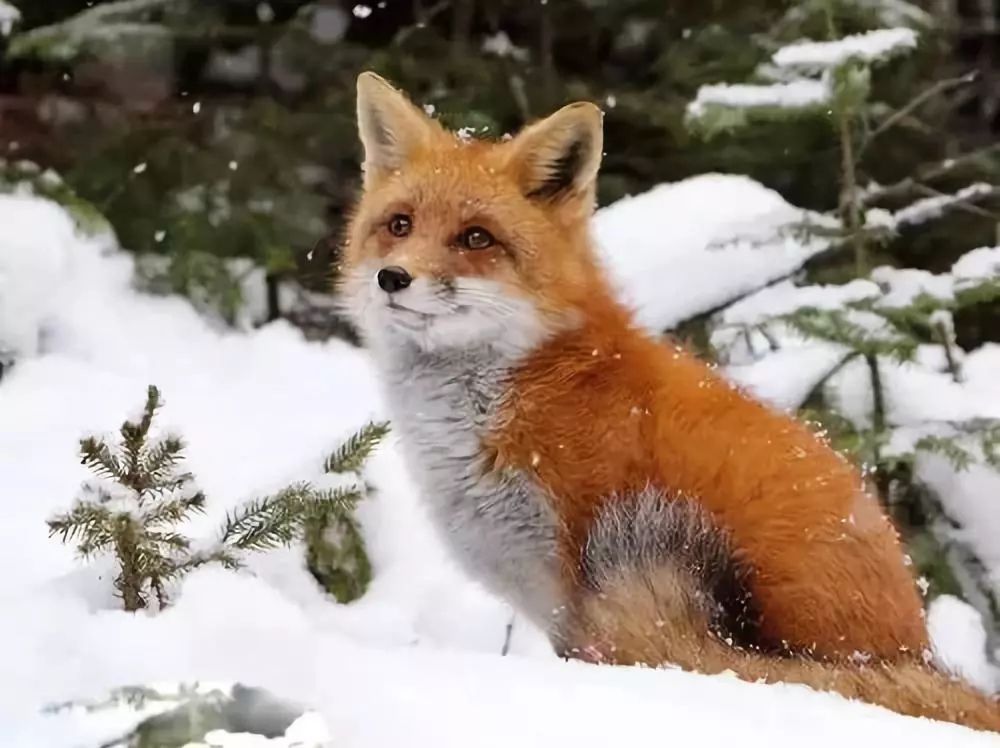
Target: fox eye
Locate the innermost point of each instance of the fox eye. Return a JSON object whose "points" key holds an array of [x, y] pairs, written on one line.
{"points": [[400, 224], [476, 237]]}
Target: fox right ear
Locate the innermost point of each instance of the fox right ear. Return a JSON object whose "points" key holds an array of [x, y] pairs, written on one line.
{"points": [[559, 156], [390, 126]]}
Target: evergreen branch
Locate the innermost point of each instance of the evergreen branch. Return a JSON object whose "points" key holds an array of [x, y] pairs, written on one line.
{"points": [[833, 326], [938, 88], [175, 510], [162, 457], [98, 458], [134, 436], [266, 523], [334, 502], [947, 447], [173, 541], [990, 445], [222, 556], [929, 174], [85, 522], [964, 199], [985, 292], [351, 456]]}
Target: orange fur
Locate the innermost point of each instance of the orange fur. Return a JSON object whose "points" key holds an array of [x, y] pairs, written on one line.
{"points": [[829, 574], [600, 410]]}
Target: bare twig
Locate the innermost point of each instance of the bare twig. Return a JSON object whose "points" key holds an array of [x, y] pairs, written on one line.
{"points": [[850, 204], [939, 88], [928, 174], [508, 631], [944, 334]]}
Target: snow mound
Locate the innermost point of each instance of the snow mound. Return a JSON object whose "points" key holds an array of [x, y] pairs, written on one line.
{"points": [[684, 248], [957, 629]]}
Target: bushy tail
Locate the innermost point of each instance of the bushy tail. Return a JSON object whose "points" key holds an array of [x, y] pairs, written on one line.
{"points": [[657, 603]]}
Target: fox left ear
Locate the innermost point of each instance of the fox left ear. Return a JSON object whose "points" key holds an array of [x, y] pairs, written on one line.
{"points": [[391, 127], [560, 155]]}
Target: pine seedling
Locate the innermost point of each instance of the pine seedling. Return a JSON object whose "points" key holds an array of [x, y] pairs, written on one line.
{"points": [[131, 508], [139, 495], [324, 518]]}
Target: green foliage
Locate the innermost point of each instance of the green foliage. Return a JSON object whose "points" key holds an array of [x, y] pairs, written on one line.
{"points": [[139, 497], [351, 457], [132, 508], [18, 177], [335, 548], [278, 519], [837, 326]]}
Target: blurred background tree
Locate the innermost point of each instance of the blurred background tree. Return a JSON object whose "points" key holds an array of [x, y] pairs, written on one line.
{"points": [[213, 135]]}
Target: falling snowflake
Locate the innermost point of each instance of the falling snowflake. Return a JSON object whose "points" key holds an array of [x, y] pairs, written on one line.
{"points": [[362, 11], [265, 13]]}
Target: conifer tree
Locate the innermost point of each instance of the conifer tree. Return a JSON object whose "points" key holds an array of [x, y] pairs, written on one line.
{"points": [[139, 496], [884, 317], [131, 507]]}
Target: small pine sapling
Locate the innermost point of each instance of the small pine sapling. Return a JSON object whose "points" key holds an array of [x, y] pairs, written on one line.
{"points": [[132, 507], [139, 495]]}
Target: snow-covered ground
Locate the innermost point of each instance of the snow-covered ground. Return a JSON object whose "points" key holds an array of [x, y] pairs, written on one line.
{"points": [[417, 660]]}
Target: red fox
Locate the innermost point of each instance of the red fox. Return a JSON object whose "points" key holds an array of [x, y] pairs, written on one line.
{"points": [[615, 489]]}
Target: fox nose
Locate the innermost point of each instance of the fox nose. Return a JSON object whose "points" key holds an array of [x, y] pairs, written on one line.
{"points": [[393, 278]]}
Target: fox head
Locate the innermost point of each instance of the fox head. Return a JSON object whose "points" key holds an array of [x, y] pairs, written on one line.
{"points": [[457, 242]]}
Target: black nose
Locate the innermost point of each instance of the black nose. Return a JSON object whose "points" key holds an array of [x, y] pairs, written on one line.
{"points": [[393, 278]]}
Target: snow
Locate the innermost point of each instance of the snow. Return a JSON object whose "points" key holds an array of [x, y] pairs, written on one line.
{"points": [[327, 23], [906, 284], [869, 47], [796, 94], [9, 15], [684, 248], [258, 410], [785, 378], [929, 208], [979, 263], [500, 45], [960, 625], [786, 297]]}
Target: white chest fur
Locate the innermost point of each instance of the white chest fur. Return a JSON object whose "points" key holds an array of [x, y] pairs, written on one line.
{"points": [[498, 526]]}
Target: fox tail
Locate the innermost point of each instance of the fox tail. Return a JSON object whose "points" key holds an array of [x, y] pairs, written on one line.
{"points": [[661, 584]]}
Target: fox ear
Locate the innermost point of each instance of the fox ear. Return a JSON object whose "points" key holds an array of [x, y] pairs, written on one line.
{"points": [[561, 154], [390, 126]]}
